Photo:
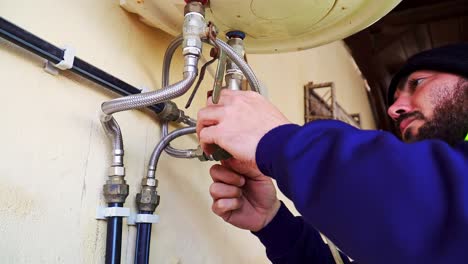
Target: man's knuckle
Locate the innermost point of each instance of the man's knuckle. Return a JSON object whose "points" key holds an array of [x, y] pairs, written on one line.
{"points": [[215, 208], [251, 94], [214, 170], [203, 135], [225, 205], [213, 189], [226, 217]]}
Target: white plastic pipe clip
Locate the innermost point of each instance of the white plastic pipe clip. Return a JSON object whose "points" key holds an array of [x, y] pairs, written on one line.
{"points": [[144, 89], [65, 64], [103, 212], [134, 219]]}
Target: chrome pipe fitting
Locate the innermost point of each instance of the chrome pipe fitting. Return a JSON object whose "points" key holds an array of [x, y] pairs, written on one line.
{"points": [[194, 28]]}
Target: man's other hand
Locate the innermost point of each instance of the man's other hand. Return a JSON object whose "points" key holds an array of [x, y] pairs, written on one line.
{"points": [[245, 202]]}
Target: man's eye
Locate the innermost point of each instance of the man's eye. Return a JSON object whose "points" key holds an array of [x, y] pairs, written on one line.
{"points": [[415, 82]]}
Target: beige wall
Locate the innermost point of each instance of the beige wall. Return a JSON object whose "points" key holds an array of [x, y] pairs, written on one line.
{"points": [[54, 154], [285, 75]]}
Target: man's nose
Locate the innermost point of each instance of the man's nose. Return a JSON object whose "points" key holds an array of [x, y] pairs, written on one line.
{"points": [[400, 106]]}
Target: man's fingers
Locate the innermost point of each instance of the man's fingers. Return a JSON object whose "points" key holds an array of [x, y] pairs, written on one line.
{"points": [[208, 136], [223, 206], [220, 190], [246, 168], [203, 124], [222, 174], [224, 97], [209, 116]]}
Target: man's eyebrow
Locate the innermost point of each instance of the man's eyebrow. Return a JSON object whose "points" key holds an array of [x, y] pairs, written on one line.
{"points": [[402, 82], [400, 86]]}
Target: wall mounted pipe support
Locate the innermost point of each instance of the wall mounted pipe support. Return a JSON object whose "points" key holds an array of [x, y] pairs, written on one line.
{"points": [[54, 55]]}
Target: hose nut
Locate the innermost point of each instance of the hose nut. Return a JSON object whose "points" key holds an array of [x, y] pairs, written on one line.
{"points": [[152, 182], [201, 155], [190, 64], [118, 152], [191, 50], [116, 171], [234, 74], [148, 199]]}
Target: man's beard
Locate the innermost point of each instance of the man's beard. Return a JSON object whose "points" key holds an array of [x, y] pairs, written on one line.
{"points": [[450, 120]]}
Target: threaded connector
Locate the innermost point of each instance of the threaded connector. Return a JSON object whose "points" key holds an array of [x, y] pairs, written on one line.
{"points": [[195, 6], [194, 28], [170, 112], [148, 199], [116, 188]]}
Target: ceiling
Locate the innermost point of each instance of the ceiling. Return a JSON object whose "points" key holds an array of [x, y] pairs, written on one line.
{"points": [[413, 26]]}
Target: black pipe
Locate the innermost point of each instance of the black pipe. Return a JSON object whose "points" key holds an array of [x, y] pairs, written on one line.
{"points": [[142, 247], [44, 49], [114, 237]]}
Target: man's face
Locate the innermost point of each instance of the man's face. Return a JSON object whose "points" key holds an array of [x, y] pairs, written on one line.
{"points": [[430, 104]]}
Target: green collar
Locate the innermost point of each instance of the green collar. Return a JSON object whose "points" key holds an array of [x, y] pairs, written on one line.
{"points": [[466, 139]]}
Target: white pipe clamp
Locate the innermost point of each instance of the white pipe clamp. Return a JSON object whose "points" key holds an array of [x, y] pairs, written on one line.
{"points": [[68, 58], [147, 218], [103, 212], [134, 219]]}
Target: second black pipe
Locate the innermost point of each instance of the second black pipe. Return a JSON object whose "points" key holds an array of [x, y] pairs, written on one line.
{"points": [[143, 240]]}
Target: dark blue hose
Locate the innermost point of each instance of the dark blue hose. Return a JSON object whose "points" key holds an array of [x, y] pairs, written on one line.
{"points": [[142, 247], [114, 237]]}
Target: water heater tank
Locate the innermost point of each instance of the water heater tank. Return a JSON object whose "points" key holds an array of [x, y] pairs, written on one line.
{"points": [[271, 25]]}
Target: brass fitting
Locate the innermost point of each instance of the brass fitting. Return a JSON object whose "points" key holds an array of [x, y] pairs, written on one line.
{"points": [[148, 198], [202, 156], [170, 112], [116, 189], [218, 155]]}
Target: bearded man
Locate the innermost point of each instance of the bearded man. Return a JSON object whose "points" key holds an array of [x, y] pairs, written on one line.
{"points": [[380, 198]]}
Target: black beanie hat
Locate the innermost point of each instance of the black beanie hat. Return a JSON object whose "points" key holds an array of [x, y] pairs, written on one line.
{"points": [[451, 59]]}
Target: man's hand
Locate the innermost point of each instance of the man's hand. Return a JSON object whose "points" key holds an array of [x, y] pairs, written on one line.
{"points": [[246, 202], [237, 123]]}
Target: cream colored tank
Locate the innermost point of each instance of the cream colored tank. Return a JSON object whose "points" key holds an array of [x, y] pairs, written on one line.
{"points": [[271, 25]]}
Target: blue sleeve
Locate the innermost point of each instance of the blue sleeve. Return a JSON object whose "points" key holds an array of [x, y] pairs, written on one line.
{"points": [[288, 239], [379, 199]]}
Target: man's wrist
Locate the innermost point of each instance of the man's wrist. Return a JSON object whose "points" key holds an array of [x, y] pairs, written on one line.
{"points": [[272, 213], [280, 234]]}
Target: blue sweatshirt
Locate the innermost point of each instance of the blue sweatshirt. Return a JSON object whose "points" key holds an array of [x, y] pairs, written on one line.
{"points": [[379, 199], [288, 239]]}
